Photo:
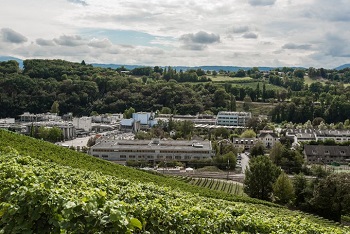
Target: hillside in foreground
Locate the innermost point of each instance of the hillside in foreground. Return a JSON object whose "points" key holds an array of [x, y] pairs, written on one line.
{"points": [[39, 194]]}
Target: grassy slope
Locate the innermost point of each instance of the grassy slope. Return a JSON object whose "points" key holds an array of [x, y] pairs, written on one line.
{"points": [[49, 152], [46, 151]]}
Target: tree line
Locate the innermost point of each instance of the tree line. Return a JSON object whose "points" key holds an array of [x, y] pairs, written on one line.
{"points": [[81, 89]]}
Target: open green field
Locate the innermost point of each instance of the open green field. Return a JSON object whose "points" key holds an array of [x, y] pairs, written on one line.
{"points": [[257, 108], [308, 80], [254, 84], [223, 78], [48, 189]]}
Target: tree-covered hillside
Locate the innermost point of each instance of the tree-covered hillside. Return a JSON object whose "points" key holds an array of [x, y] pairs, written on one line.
{"points": [[82, 89]]}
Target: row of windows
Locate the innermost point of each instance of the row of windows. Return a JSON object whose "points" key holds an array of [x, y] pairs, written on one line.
{"points": [[227, 117], [244, 142], [152, 151], [342, 152], [124, 157]]}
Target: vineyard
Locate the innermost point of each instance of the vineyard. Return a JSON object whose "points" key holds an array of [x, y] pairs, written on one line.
{"points": [[46, 151], [229, 187], [43, 197], [47, 189]]}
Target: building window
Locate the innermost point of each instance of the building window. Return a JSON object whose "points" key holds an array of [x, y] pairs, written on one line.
{"points": [[122, 156], [177, 157], [104, 156]]}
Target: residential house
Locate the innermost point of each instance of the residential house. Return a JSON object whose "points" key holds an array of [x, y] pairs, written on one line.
{"points": [[268, 138], [326, 154]]}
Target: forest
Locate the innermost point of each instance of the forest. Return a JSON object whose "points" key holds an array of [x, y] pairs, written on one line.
{"points": [[82, 89]]}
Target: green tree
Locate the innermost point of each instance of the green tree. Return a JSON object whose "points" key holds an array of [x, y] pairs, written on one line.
{"points": [[257, 149], [128, 113], [283, 190], [221, 132], [299, 73], [184, 128], [55, 107], [301, 190], [240, 73], [276, 153], [248, 134], [165, 110], [247, 101], [233, 106], [43, 132], [226, 161], [260, 177], [220, 97], [332, 196], [54, 134], [91, 141]]}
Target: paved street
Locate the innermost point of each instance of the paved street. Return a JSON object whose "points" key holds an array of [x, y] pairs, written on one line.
{"points": [[81, 141], [244, 162]]}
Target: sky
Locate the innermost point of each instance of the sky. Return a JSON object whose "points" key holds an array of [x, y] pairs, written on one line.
{"points": [[307, 33]]}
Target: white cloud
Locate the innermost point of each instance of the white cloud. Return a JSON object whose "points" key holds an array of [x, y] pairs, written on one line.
{"points": [[11, 36], [100, 43], [44, 42], [65, 40], [261, 2], [250, 35], [293, 46], [227, 32]]}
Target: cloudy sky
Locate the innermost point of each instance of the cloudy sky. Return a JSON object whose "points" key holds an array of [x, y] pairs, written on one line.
{"points": [[179, 32]]}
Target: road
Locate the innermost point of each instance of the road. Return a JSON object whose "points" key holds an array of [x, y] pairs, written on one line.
{"points": [[82, 141], [77, 142], [244, 162]]}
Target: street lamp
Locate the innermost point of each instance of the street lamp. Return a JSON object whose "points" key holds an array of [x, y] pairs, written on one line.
{"points": [[228, 168]]}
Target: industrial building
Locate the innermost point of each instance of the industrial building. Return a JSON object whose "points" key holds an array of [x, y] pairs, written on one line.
{"points": [[151, 150], [230, 118]]}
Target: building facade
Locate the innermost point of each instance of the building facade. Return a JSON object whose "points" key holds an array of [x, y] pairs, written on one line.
{"points": [[268, 138], [244, 143], [67, 128], [153, 151], [84, 123], [304, 135], [230, 118], [326, 154]]}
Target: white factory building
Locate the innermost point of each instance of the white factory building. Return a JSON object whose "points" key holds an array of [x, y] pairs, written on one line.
{"points": [[154, 150], [230, 118]]}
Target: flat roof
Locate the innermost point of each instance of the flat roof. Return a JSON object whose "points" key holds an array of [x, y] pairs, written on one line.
{"points": [[149, 144]]}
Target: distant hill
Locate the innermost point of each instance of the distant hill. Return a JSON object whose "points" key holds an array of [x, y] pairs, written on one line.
{"points": [[184, 68], [7, 58], [343, 66], [115, 66]]}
